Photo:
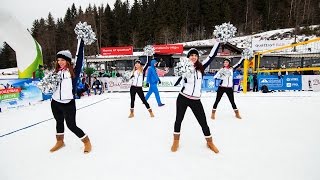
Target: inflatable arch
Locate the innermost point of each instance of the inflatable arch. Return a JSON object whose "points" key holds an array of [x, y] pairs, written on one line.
{"points": [[28, 50]]}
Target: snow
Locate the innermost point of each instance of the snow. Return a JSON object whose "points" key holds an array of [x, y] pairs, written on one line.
{"points": [[278, 138]]}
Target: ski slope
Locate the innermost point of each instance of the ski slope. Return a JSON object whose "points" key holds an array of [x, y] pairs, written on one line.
{"points": [[278, 138]]}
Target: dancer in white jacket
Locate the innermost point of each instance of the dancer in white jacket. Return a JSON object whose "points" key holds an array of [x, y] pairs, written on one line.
{"points": [[189, 96], [225, 74], [63, 105]]}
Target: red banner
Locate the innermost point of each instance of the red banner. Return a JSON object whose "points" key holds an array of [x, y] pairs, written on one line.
{"points": [[10, 90], [168, 49], [113, 51]]}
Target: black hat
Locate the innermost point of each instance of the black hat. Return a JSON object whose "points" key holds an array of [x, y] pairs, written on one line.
{"points": [[65, 54], [193, 51]]}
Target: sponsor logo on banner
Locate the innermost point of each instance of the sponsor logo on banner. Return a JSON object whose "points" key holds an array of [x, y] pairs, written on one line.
{"points": [[113, 51], [288, 82], [259, 45], [168, 49]]}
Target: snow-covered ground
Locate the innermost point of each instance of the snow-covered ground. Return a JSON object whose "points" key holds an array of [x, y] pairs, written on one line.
{"points": [[278, 138]]}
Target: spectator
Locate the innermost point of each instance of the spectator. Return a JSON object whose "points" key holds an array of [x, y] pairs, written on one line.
{"points": [[39, 73], [162, 63], [83, 86], [255, 83], [96, 85]]}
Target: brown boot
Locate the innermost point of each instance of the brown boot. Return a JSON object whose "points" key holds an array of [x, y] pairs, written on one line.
{"points": [[87, 144], [211, 146], [59, 143], [213, 114], [175, 145], [237, 114], [151, 113], [131, 115]]}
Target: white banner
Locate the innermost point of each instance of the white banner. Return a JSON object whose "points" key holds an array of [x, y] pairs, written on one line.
{"points": [[260, 45], [311, 82], [119, 84]]}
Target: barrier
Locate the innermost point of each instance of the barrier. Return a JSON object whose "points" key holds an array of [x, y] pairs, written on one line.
{"points": [[311, 82]]}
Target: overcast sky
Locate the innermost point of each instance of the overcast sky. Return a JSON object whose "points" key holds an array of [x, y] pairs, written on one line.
{"points": [[26, 11]]}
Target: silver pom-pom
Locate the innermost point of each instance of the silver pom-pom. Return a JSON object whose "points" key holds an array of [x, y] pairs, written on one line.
{"points": [[247, 53], [49, 83], [85, 32], [224, 32], [148, 50], [126, 76], [184, 68]]}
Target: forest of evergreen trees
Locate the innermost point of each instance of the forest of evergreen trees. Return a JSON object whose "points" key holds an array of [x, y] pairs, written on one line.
{"points": [[163, 21]]}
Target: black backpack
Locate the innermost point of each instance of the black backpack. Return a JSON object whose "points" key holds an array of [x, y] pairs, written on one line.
{"points": [[264, 89]]}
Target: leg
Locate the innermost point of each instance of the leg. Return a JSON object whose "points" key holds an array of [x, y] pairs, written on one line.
{"points": [[181, 107], [156, 93], [69, 112], [149, 93], [230, 95], [197, 109], [132, 96], [231, 99], [143, 99], [58, 116], [220, 92]]}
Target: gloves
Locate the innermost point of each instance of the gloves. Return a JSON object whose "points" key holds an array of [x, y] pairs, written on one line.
{"points": [[159, 81], [185, 80], [147, 84]]}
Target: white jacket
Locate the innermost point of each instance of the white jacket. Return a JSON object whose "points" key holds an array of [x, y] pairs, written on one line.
{"points": [[192, 86], [226, 75], [137, 79], [63, 93]]}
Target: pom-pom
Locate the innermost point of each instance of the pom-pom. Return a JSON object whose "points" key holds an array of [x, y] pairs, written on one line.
{"points": [[85, 32], [148, 50], [247, 53], [49, 83], [224, 32], [126, 76], [184, 68]]}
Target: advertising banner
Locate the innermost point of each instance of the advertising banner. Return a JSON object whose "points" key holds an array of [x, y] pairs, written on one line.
{"points": [[113, 51], [287, 82], [168, 49], [260, 45], [311, 82], [19, 92]]}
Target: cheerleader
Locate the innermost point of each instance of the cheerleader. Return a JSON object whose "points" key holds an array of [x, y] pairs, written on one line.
{"points": [[136, 87], [225, 74], [189, 96], [63, 105]]}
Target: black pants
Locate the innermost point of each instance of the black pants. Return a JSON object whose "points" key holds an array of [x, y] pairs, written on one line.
{"points": [[61, 112], [139, 91], [196, 106], [255, 87], [220, 92]]}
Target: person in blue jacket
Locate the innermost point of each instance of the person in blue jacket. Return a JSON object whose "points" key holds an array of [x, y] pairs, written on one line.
{"points": [[152, 80]]}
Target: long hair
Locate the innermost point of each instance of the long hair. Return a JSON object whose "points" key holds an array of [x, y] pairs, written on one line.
{"points": [[68, 66], [199, 66]]}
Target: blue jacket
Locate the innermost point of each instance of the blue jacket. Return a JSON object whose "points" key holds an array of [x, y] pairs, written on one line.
{"points": [[152, 76]]}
